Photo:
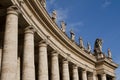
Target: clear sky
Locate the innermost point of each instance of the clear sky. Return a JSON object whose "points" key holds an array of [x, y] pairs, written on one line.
{"points": [[92, 19]]}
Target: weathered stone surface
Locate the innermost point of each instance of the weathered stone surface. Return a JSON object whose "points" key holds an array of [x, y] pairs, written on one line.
{"points": [[55, 66], [43, 61], [75, 73], [9, 62], [65, 74], [28, 72]]}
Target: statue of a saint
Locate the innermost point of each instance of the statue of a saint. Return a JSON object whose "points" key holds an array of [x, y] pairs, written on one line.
{"points": [[63, 26], [72, 35], [109, 53], [98, 45], [81, 42], [88, 47], [43, 2], [54, 15]]}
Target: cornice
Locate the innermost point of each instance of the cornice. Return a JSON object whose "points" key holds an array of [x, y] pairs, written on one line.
{"points": [[108, 63], [56, 32]]}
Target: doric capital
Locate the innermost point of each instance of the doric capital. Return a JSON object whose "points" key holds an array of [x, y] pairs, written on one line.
{"points": [[84, 70], [65, 61], [30, 29], [75, 66], [103, 74], [54, 53], [43, 43], [13, 10]]}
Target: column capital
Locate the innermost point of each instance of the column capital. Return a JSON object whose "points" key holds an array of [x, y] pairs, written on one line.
{"points": [[103, 74], [55, 53], [43, 43], [65, 60], [75, 66], [84, 70], [30, 29], [13, 10]]}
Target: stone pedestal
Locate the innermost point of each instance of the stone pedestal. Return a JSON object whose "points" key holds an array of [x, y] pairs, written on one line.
{"points": [[9, 60], [84, 75], [43, 61], [55, 66], [103, 76], [65, 74], [75, 73], [28, 71]]}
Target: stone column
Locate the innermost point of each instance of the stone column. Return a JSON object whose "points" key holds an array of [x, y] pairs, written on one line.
{"points": [[103, 76], [84, 75], [94, 75], [55, 66], [18, 69], [114, 78], [28, 71], [0, 56], [9, 60], [43, 61], [75, 73], [65, 74]]}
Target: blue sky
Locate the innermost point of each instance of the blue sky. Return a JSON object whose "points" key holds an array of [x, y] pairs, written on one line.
{"points": [[91, 19]]}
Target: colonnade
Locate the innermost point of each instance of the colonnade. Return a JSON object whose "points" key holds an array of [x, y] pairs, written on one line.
{"points": [[10, 69]]}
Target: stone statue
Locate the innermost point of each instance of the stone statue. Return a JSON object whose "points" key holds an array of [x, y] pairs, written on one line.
{"points": [[88, 47], [43, 2], [72, 35], [109, 53], [81, 42], [63, 26], [98, 46], [54, 15]]}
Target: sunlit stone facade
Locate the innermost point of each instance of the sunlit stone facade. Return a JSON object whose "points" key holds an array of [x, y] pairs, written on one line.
{"points": [[32, 47]]}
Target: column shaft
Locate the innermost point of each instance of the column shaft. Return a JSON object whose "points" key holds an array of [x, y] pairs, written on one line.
{"points": [[103, 76], [94, 76], [84, 75], [0, 59], [28, 72], [9, 60], [66, 75], [113, 78], [75, 73], [43, 62], [55, 66], [18, 69]]}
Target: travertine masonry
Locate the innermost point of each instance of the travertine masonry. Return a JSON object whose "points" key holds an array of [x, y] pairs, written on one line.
{"points": [[84, 75], [55, 66], [75, 73], [43, 61], [0, 58], [28, 72], [65, 74], [9, 62], [18, 69]]}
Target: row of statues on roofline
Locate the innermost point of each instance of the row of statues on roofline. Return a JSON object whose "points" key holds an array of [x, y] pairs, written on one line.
{"points": [[97, 45]]}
